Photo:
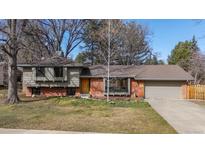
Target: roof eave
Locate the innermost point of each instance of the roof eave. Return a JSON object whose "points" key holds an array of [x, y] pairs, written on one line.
{"points": [[165, 79], [27, 65], [87, 76]]}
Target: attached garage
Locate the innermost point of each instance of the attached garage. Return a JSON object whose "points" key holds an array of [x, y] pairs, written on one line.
{"points": [[163, 89], [147, 81]]}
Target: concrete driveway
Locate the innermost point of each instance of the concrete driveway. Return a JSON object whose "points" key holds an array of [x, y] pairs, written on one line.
{"points": [[184, 116]]}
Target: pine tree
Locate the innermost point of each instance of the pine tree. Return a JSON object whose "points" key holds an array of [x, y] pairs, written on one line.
{"points": [[182, 53]]}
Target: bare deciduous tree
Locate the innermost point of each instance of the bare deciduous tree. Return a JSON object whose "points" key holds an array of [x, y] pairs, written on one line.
{"points": [[95, 40], [54, 35], [135, 48], [197, 67], [128, 44], [11, 34]]}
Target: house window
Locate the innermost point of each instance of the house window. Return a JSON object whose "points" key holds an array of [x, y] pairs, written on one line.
{"points": [[58, 71], [40, 72], [36, 91], [71, 91], [117, 85]]}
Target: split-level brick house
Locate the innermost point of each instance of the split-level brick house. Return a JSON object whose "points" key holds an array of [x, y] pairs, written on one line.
{"points": [[58, 77]]}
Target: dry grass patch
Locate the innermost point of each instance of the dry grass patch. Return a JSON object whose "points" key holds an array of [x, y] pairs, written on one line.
{"points": [[71, 114]]}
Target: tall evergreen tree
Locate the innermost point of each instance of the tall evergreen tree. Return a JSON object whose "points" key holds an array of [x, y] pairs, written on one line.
{"points": [[187, 55], [181, 54]]}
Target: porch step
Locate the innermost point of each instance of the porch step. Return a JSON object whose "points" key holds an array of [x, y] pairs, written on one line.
{"points": [[85, 96]]}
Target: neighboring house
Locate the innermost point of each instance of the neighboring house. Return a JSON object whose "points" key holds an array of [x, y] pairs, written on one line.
{"points": [[56, 77], [3, 74]]}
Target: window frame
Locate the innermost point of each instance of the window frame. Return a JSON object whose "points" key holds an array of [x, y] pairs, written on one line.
{"points": [[71, 91], [36, 91], [42, 73], [54, 72], [127, 92]]}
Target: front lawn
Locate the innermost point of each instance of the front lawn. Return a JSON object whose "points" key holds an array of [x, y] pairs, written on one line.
{"points": [[72, 114]]}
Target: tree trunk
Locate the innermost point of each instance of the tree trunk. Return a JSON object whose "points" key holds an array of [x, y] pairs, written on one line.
{"points": [[12, 80], [195, 78]]}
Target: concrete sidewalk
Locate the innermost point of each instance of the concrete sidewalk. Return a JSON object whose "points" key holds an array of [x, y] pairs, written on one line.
{"points": [[28, 131]]}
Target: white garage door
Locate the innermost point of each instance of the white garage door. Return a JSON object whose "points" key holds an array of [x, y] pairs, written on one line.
{"points": [[163, 89]]}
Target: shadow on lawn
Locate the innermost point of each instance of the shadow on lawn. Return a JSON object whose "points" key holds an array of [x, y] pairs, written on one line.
{"points": [[28, 100], [34, 99]]}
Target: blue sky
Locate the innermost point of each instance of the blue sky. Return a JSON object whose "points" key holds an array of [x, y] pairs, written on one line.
{"points": [[166, 33]]}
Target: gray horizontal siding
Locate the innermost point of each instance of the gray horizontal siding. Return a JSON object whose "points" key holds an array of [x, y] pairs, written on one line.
{"points": [[71, 78]]}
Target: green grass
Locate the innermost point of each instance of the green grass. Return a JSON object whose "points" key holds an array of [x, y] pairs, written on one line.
{"points": [[86, 115]]}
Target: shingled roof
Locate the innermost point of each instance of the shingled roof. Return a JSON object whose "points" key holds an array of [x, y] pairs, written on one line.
{"points": [[141, 72], [51, 61]]}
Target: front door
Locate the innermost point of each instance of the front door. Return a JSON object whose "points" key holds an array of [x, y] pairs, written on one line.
{"points": [[85, 86]]}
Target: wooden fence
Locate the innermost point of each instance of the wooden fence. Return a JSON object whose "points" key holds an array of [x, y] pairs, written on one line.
{"points": [[195, 92]]}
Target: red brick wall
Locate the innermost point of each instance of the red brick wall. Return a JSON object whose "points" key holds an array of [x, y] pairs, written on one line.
{"points": [[53, 91], [46, 91], [96, 87], [137, 88], [77, 93], [27, 91]]}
